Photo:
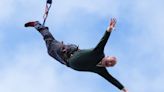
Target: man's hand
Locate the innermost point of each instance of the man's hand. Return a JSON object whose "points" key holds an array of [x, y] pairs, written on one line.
{"points": [[111, 25], [124, 90]]}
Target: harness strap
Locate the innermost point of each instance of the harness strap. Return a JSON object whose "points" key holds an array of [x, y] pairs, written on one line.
{"points": [[48, 6]]}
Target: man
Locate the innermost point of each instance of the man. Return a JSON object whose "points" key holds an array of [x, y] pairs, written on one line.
{"points": [[91, 60]]}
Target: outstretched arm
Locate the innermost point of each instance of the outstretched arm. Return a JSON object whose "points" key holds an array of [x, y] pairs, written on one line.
{"points": [[105, 74], [100, 46]]}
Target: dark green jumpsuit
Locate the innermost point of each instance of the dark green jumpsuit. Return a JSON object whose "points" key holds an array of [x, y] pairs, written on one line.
{"points": [[86, 60], [80, 60]]}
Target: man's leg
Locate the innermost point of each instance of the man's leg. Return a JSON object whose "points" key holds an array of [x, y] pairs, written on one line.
{"points": [[44, 32], [102, 71]]}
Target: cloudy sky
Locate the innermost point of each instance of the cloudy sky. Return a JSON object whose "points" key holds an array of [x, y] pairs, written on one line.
{"points": [[137, 42]]}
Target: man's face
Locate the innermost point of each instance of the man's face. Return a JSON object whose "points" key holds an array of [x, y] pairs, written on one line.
{"points": [[109, 61]]}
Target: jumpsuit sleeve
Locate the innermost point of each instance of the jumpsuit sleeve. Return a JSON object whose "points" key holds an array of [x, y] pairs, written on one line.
{"points": [[105, 74], [103, 41], [115, 82]]}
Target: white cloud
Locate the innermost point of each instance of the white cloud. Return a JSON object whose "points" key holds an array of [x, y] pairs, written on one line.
{"points": [[6, 8], [64, 10]]}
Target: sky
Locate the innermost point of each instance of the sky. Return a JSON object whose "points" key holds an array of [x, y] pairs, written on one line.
{"points": [[137, 42]]}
